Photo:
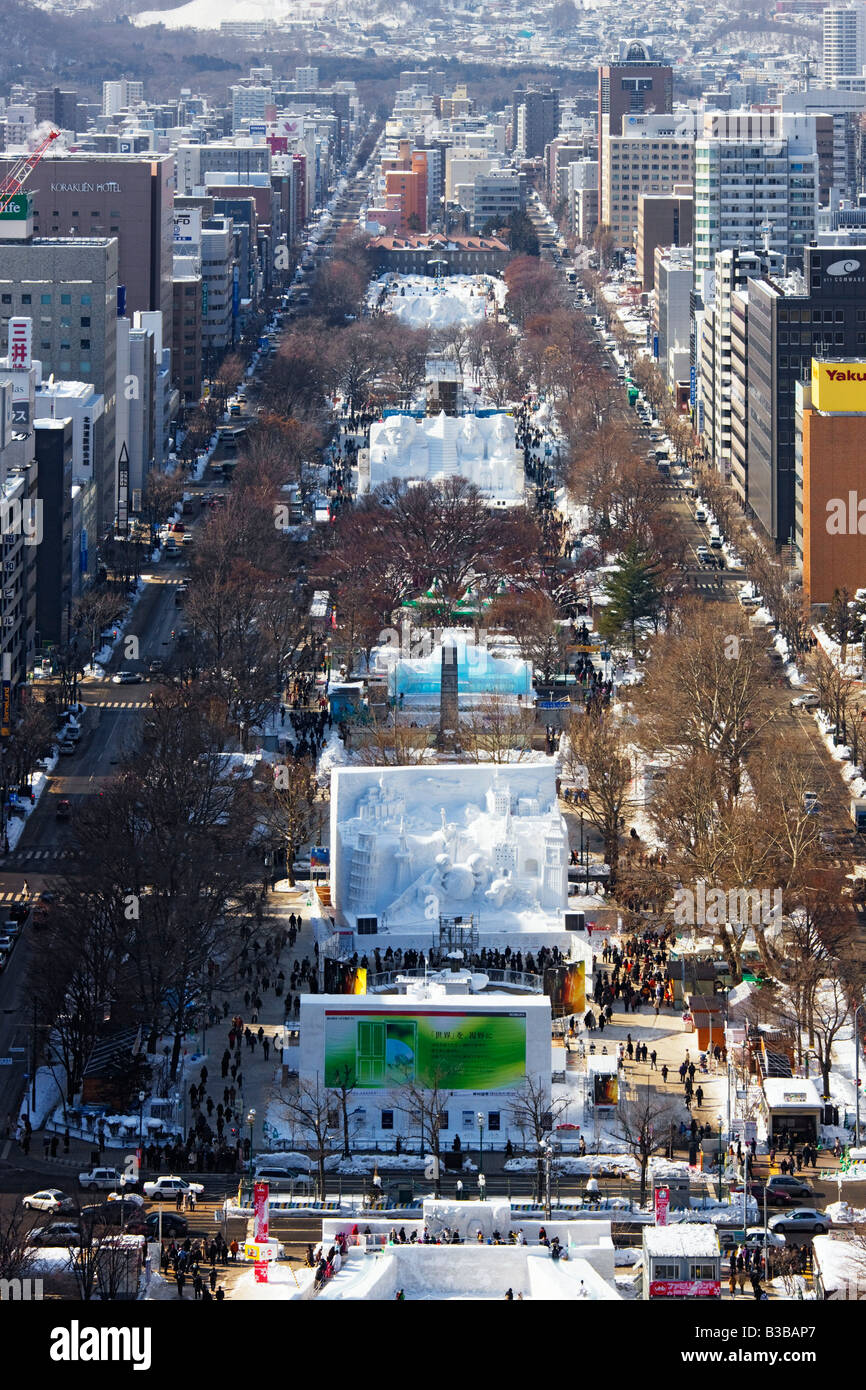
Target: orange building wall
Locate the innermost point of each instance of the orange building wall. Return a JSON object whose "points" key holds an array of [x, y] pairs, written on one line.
{"points": [[411, 188], [834, 467]]}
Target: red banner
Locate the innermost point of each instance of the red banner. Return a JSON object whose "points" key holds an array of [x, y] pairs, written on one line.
{"points": [[685, 1288], [262, 1272], [663, 1202], [260, 1211]]}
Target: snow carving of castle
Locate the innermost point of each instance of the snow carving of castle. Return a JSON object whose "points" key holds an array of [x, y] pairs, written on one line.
{"points": [[409, 844], [480, 448]]}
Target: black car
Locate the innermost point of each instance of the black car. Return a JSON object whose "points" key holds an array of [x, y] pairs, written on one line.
{"points": [[172, 1224], [126, 1216]]}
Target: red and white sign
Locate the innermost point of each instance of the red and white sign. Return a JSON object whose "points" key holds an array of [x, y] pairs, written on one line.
{"points": [[685, 1288], [663, 1204], [20, 335], [261, 1273], [260, 1211]]}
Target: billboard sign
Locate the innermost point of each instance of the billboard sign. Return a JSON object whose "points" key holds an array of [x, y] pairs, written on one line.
{"points": [[6, 714], [456, 1051], [564, 985], [605, 1089], [839, 386], [20, 337], [685, 1288]]}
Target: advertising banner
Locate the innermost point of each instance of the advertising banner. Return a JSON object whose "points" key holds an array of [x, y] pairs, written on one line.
{"points": [[605, 1089], [6, 714], [564, 986], [256, 1252], [685, 1288], [260, 1211], [261, 1273], [662, 1204], [838, 386], [343, 978], [456, 1051]]}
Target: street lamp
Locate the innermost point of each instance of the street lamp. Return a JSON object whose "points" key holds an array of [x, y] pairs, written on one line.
{"points": [[480, 1119], [546, 1156], [720, 1156], [482, 1185], [141, 1099]]}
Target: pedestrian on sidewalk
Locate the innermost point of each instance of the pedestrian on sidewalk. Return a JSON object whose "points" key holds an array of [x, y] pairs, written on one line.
{"points": [[664, 1073]]}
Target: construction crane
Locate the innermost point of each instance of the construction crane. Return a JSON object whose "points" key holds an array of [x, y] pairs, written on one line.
{"points": [[20, 172]]}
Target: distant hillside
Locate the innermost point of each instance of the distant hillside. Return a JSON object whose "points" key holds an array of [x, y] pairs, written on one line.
{"points": [[90, 47]]}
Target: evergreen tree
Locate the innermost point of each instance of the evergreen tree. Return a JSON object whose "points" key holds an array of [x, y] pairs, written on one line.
{"points": [[633, 593]]}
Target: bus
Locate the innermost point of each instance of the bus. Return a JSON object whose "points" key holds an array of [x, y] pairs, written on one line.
{"points": [[230, 436]]}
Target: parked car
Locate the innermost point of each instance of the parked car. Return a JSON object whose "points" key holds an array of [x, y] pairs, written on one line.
{"points": [[123, 1215], [105, 1180], [129, 1198], [64, 809], [805, 1219], [156, 666], [6, 944], [126, 678], [49, 1199], [790, 1186], [754, 1239], [66, 748], [809, 699], [159, 1189], [58, 1233]]}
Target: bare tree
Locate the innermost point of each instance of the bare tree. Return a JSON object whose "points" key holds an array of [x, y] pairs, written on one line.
{"points": [[314, 1109], [831, 1010], [497, 730], [534, 1111], [425, 1108], [290, 808], [643, 1125], [595, 755]]}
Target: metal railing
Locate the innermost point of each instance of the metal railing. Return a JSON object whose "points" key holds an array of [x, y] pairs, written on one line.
{"points": [[517, 979]]}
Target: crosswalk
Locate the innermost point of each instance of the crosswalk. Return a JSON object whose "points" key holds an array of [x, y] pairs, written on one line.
{"points": [[119, 704], [31, 856]]}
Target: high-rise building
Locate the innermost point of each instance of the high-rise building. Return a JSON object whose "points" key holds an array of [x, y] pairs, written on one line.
{"points": [[673, 277], [68, 287], [498, 194], [821, 313], [306, 79], [58, 108], [750, 192], [534, 120], [830, 429], [250, 103], [54, 555], [638, 85], [641, 163], [663, 219], [120, 96], [844, 34], [128, 197]]}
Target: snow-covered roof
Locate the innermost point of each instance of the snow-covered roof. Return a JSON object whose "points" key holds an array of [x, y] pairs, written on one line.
{"points": [[696, 1238], [791, 1093]]}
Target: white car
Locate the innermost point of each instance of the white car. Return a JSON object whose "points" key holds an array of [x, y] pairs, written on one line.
{"points": [[105, 1180], [49, 1199], [168, 1186], [132, 1199]]}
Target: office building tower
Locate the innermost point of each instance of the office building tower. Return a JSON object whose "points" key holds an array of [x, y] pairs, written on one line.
{"points": [[121, 96], [127, 197], [68, 287], [534, 120], [844, 42]]}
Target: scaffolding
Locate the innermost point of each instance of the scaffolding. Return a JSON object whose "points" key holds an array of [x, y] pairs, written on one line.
{"points": [[459, 934]]}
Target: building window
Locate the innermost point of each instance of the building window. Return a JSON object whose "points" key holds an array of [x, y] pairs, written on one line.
{"points": [[702, 1271], [85, 322], [387, 1119], [85, 299], [7, 298], [66, 299], [468, 1119], [493, 1120], [45, 299], [45, 346], [85, 342], [665, 1270], [26, 299], [84, 367]]}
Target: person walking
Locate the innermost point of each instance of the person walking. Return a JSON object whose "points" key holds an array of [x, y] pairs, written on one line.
{"points": [[699, 1096], [664, 1073]]}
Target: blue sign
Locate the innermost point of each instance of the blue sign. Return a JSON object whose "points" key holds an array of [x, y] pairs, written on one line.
{"points": [[693, 385], [82, 553], [655, 345]]}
